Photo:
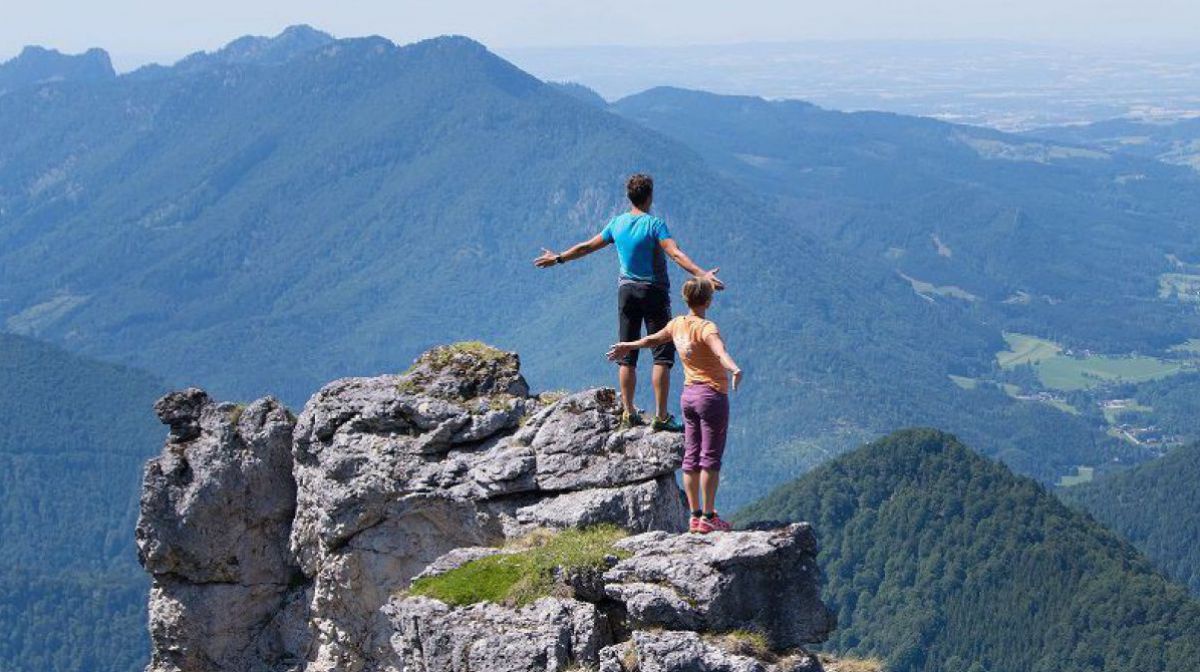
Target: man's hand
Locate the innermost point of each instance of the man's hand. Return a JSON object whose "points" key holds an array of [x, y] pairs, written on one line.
{"points": [[619, 350], [546, 260], [711, 276], [737, 379]]}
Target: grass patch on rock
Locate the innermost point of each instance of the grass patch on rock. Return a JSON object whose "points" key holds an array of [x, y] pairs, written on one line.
{"points": [[745, 643], [444, 355], [527, 571], [832, 664]]}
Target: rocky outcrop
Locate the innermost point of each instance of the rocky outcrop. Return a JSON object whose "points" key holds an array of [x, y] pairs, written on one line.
{"points": [[684, 651], [740, 602], [217, 509], [764, 581], [550, 634], [278, 543]]}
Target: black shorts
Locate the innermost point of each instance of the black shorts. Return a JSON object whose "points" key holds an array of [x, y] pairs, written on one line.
{"points": [[638, 303]]}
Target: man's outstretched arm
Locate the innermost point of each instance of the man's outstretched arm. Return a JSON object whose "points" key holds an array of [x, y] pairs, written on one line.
{"points": [[685, 262], [549, 258]]}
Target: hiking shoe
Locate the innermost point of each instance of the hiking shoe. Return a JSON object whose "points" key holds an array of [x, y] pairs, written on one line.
{"points": [[694, 525], [714, 524], [631, 420], [667, 424]]}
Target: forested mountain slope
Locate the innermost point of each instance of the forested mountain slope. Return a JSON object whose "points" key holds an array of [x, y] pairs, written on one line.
{"points": [[1156, 506], [76, 432], [939, 559], [259, 225], [1090, 248]]}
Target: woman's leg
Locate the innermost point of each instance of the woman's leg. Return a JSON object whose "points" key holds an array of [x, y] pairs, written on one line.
{"points": [[714, 425], [691, 448], [709, 480], [691, 487]]}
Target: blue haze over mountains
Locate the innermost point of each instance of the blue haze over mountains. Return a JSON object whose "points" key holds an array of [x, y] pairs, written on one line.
{"points": [[288, 210]]}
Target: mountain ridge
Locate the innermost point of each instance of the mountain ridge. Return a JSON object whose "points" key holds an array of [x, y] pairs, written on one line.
{"points": [[939, 559], [1155, 506], [39, 65]]}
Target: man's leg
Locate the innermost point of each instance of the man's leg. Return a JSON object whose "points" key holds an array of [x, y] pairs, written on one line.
{"points": [[658, 314], [627, 377], [629, 328], [661, 378]]}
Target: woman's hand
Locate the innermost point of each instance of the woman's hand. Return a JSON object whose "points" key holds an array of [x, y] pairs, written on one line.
{"points": [[737, 379], [619, 350]]}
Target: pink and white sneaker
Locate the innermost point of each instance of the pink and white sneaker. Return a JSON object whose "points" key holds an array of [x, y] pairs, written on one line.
{"points": [[694, 524], [714, 524]]}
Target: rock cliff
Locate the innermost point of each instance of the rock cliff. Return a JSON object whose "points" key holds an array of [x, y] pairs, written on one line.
{"points": [[278, 542]]}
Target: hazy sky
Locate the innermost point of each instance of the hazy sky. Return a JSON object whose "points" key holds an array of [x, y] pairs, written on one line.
{"points": [[135, 31]]}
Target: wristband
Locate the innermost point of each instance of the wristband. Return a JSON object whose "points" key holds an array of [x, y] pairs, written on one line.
{"points": [[558, 259]]}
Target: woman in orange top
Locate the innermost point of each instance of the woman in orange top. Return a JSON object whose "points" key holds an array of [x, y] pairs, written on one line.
{"points": [[708, 369]]}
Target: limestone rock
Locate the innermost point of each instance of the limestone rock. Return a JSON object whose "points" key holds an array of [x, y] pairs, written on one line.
{"points": [[279, 544], [394, 471], [226, 626], [216, 506], [650, 505], [765, 581], [216, 513], [683, 651], [577, 445], [550, 634]]}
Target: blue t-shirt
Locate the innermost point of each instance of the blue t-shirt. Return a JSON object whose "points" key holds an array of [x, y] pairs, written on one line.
{"points": [[637, 238]]}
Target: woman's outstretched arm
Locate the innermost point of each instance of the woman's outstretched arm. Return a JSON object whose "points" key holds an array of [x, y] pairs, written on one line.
{"points": [[717, 345], [619, 350]]}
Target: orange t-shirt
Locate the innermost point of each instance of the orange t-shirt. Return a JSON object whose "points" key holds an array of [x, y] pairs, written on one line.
{"points": [[700, 363]]}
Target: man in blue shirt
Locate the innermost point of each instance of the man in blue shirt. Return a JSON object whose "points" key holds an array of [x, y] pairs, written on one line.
{"points": [[643, 293]]}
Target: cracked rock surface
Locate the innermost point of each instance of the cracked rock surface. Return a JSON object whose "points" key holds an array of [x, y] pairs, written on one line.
{"points": [[765, 581]]}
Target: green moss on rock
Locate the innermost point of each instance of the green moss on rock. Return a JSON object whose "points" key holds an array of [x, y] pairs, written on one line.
{"points": [[527, 571]]}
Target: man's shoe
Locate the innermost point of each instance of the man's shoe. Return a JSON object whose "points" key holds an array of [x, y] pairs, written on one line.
{"points": [[667, 424], [630, 420]]}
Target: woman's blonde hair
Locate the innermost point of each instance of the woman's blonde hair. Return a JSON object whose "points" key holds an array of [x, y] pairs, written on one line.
{"points": [[698, 292]]}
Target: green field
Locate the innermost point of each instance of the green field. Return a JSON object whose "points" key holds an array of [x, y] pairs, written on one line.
{"points": [[926, 288], [1081, 475], [1110, 414], [1024, 349], [1071, 373], [1191, 346], [1011, 390], [1061, 372], [964, 382]]}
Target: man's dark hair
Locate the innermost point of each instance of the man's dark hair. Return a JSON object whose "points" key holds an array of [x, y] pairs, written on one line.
{"points": [[640, 188]]}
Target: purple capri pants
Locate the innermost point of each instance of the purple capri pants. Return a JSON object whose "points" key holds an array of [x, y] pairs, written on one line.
{"points": [[705, 422]]}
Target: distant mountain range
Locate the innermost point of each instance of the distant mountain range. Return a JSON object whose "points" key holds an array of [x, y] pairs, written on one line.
{"points": [[1053, 238], [937, 559], [36, 65], [288, 210]]}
